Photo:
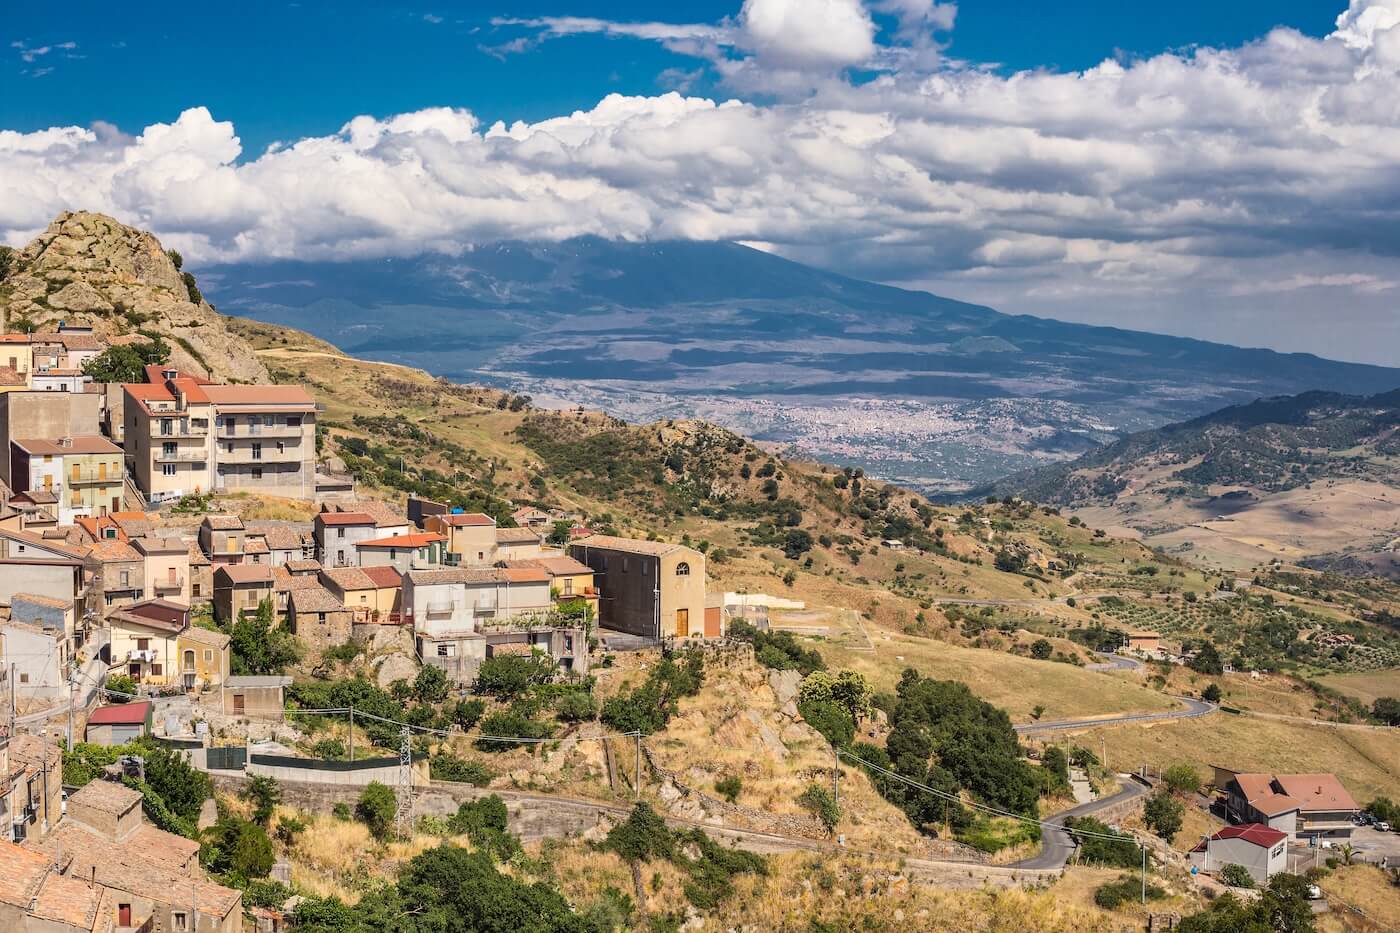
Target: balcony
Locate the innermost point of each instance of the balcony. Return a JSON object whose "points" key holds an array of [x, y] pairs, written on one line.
{"points": [[168, 585], [243, 456], [182, 456], [253, 432], [141, 656], [180, 430], [110, 478]]}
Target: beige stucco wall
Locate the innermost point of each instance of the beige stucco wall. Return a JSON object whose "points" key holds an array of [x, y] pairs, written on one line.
{"points": [[159, 569], [126, 638], [683, 593]]}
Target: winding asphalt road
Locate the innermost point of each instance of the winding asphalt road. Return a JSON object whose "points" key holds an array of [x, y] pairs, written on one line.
{"points": [[1055, 842], [1115, 662], [1194, 708]]}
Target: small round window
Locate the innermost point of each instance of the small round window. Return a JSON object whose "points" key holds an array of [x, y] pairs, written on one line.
{"points": [[682, 569]]}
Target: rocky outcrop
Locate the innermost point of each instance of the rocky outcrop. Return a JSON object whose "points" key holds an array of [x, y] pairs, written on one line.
{"points": [[89, 268]]}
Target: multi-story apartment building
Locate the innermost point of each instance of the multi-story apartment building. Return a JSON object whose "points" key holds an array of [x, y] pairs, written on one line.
{"points": [[84, 472], [186, 435]]}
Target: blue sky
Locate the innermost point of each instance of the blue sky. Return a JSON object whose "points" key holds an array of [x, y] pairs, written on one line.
{"points": [[1215, 169], [287, 70]]}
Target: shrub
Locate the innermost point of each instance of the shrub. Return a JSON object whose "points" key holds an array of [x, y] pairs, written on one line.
{"points": [[1126, 890], [576, 706], [830, 719], [448, 767], [1212, 693], [1042, 649], [1181, 779], [1236, 876], [484, 821], [822, 805], [121, 683], [729, 787], [341, 811], [238, 849], [430, 686], [376, 809], [467, 713], [644, 835], [1099, 844], [649, 707], [778, 650], [513, 723]]}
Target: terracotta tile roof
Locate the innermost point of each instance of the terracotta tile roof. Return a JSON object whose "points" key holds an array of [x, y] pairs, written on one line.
{"points": [[51, 602], [525, 575], [466, 519], [1274, 804], [79, 444], [628, 545], [476, 576], [517, 536], [417, 540], [68, 901], [554, 566], [124, 867], [245, 573], [385, 578], [254, 395], [1316, 791], [303, 565], [283, 536], [70, 341], [109, 550], [223, 522], [284, 581], [344, 518], [33, 752], [154, 843], [21, 874], [347, 579], [255, 545], [315, 599], [68, 551], [204, 636], [149, 544], [106, 796], [197, 556]]}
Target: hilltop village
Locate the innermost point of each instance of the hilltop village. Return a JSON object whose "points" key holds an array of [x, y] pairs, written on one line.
{"points": [[232, 676]]}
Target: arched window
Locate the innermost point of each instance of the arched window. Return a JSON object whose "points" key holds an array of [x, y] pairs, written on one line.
{"points": [[682, 569]]}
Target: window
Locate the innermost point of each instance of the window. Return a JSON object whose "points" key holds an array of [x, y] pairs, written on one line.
{"points": [[625, 564], [294, 421], [257, 451], [682, 569], [167, 469], [194, 590], [281, 447], [180, 920], [155, 670], [142, 644], [340, 532], [24, 678], [257, 472], [208, 655], [168, 448], [568, 586], [442, 653]]}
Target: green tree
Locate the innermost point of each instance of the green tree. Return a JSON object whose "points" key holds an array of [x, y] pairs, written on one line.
{"points": [[559, 533], [121, 683], [430, 686], [642, 836], [265, 794], [257, 647], [1041, 649], [239, 850], [128, 362], [1163, 814], [1212, 693], [1055, 763], [376, 809], [729, 787], [509, 676], [1387, 710], [576, 706], [1207, 660], [1100, 844]]}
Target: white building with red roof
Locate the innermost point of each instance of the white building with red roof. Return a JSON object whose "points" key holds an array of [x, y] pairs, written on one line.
{"points": [[1261, 850]]}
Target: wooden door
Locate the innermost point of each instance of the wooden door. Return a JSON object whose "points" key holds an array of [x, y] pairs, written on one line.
{"points": [[682, 623], [238, 704]]}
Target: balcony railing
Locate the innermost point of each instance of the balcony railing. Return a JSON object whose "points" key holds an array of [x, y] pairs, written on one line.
{"points": [[262, 430], [181, 456], [181, 431], [112, 477], [168, 584]]}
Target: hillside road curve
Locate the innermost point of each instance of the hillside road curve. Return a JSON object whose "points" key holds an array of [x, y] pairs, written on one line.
{"points": [[1055, 842]]}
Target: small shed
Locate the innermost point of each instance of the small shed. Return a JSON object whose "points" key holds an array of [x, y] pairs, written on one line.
{"points": [[257, 696], [1261, 850], [119, 723]]}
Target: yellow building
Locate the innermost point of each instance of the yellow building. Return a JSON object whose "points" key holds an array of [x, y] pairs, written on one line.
{"points": [[83, 471], [16, 362], [146, 640], [204, 658]]}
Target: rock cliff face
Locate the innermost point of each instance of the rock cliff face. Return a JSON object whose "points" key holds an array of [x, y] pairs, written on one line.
{"points": [[91, 269]]}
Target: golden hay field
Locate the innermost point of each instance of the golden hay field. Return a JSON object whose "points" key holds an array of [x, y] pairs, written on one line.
{"points": [[1366, 686]]}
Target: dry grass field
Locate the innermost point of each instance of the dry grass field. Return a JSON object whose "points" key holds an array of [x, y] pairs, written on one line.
{"points": [[1366, 760], [1365, 887], [1367, 686], [1014, 683]]}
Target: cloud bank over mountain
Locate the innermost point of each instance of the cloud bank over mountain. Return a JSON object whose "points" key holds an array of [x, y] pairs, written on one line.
{"points": [[1153, 193]]}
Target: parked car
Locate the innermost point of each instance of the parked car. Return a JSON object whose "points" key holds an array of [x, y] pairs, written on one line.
{"points": [[1314, 893], [1383, 826]]}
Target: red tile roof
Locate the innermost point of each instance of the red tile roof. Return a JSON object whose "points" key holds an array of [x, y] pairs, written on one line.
{"points": [[385, 578], [467, 519], [344, 518], [125, 714], [419, 539], [1256, 833]]}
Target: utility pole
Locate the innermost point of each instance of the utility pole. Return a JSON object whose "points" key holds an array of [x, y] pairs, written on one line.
{"points": [[352, 733], [638, 785], [1143, 846], [403, 817]]}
